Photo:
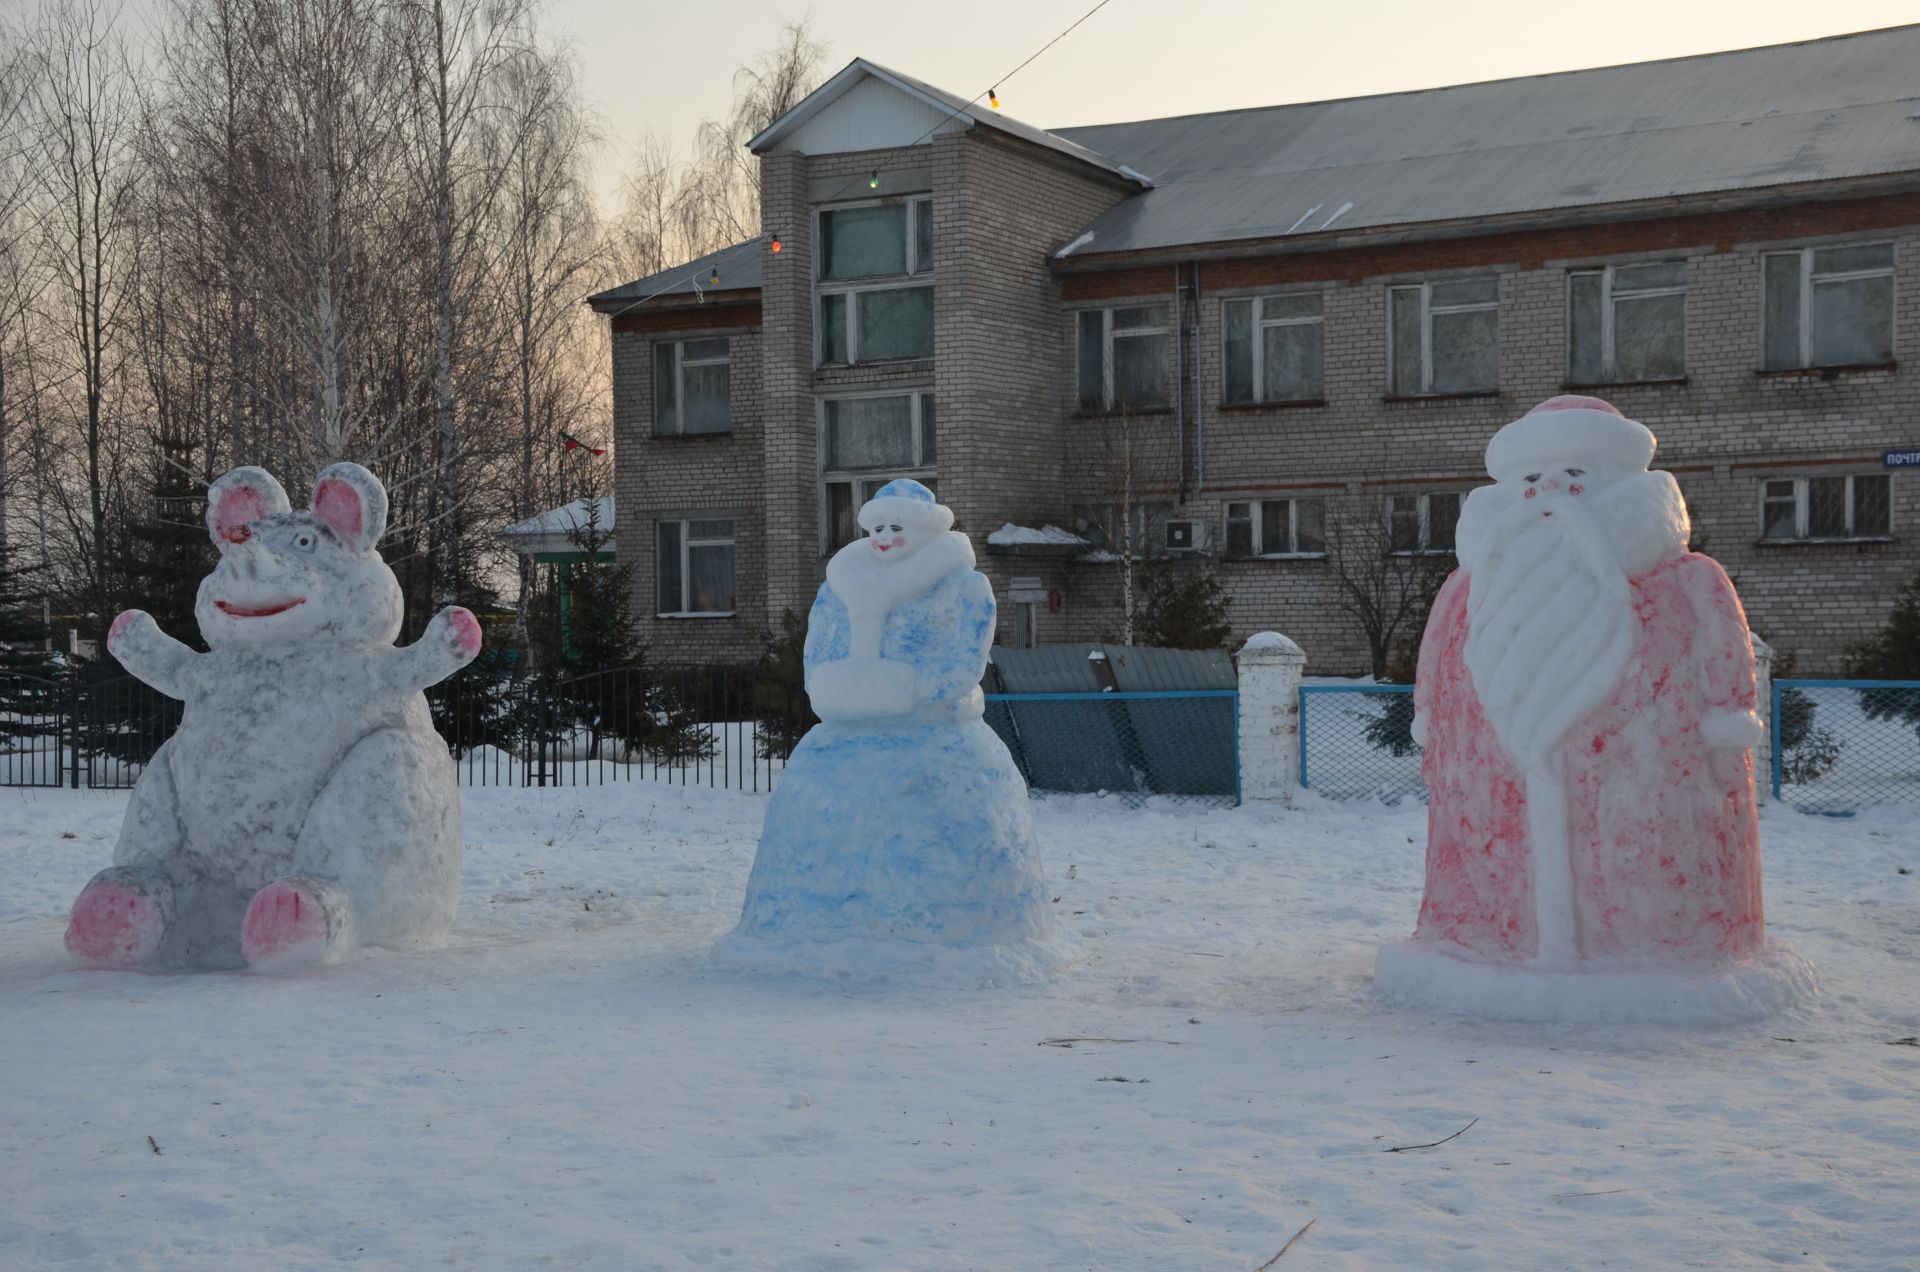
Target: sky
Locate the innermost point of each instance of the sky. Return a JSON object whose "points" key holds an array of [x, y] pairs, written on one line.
{"points": [[650, 64]]}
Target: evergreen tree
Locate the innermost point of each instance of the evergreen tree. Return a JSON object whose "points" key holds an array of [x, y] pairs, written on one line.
{"points": [[30, 674], [1182, 609], [782, 711], [166, 552], [1892, 654]]}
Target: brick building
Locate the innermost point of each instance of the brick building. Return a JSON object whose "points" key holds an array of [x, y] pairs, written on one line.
{"points": [[1274, 342]]}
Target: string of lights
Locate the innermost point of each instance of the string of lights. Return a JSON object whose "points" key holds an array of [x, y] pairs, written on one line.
{"points": [[992, 94]]}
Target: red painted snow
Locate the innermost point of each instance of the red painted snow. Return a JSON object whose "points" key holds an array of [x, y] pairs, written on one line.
{"points": [[338, 504], [1666, 845], [114, 925], [237, 507], [466, 628], [281, 919]]}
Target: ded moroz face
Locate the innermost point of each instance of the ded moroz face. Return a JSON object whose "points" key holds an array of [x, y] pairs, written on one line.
{"points": [[1549, 484]]}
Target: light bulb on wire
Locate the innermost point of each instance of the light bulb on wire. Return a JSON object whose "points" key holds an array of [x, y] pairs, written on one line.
{"points": [[776, 244], [713, 280], [873, 181], [993, 97]]}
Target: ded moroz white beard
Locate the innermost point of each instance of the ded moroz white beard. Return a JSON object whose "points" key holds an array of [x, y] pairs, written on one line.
{"points": [[1551, 627]]}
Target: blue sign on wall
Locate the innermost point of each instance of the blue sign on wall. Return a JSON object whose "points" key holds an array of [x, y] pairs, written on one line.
{"points": [[1901, 459]]}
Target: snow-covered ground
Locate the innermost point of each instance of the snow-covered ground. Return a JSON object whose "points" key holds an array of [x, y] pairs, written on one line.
{"points": [[572, 1084]]}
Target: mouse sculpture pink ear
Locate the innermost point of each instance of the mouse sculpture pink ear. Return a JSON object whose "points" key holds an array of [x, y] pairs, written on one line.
{"points": [[239, 499], [353, 504]]}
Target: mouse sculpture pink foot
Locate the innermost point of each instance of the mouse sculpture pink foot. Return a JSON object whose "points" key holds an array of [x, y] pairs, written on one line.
{"points": [[305, 804]]}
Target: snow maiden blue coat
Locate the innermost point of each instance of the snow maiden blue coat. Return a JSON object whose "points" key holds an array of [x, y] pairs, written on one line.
{"points": [[898, 840]]}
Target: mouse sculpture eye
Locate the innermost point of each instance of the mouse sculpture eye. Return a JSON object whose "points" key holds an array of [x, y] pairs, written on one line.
{"points": [[304, 541]]}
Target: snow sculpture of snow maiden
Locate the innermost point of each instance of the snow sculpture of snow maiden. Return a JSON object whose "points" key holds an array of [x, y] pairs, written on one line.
{"points": [[305, 803], [898, 840], [1585, 695]]}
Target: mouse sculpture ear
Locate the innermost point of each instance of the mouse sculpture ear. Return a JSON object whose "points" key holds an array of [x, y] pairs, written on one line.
{"points": [[353, 504], [239, 499]]}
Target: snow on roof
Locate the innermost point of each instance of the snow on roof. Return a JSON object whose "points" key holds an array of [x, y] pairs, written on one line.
{"points": [[553, 530], [1010, 535], [738, 267]]}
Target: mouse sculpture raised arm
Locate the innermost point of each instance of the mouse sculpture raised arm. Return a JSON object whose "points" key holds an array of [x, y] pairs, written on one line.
{"points": [[305, 804]]}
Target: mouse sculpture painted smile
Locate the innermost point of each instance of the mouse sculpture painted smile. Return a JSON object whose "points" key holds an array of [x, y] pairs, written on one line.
{"points": [[305, 805]]}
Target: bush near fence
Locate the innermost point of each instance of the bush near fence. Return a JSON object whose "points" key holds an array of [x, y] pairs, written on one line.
{"points": [[1844, 745]]}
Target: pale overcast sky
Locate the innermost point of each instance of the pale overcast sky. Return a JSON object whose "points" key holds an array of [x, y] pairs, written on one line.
{"points": [[663, 64]]}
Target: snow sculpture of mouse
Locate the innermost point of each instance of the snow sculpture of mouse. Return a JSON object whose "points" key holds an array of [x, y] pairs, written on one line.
{"points": [[305, 804], [899, 838], [1585, 695]]}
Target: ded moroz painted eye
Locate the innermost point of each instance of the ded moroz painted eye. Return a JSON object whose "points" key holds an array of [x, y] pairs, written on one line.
{"points": [[1533, 476], [1576, 472]]}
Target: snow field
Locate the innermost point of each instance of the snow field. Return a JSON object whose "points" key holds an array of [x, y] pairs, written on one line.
{"points": [[572, 1083]]}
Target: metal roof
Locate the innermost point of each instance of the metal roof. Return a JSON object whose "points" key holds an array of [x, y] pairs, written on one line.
{"points": [[738, 267], [557, 529], [955, 106], [1819, 110]]}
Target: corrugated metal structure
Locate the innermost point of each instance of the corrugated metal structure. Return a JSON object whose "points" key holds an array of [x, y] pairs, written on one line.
{"points": [[1840, 109], [738, 267]]}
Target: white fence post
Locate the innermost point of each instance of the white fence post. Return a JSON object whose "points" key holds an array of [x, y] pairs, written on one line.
{"points": [[1270, 669], [1763, 685]]}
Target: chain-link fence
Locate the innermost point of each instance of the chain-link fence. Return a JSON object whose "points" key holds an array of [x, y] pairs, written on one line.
{"points": [[1183, 745], [1356, 742], [1843, 745]]}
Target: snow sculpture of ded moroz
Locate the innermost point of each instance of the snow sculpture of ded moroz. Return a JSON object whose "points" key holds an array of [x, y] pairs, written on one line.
{"points": [[899, 840], [1585, 695], [305, 803]]}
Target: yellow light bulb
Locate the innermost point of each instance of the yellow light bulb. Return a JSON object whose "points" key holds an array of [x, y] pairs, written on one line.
{"points": [[993, 98]]}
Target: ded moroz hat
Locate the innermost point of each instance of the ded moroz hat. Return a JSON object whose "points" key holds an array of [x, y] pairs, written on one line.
{"points": [[1570, 430]]}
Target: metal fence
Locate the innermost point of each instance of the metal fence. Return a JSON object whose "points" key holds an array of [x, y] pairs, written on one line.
{"points": [[1356, 742], [704, 725], [1181, 744], [1843, 745]]}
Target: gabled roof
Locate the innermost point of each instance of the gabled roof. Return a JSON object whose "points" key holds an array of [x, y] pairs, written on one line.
{"points": [[555, 529], [1845, 107], [967, 114], [738, 267]]}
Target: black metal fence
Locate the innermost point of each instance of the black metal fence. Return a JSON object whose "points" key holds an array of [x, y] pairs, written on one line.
{"points": [[701, 725]]}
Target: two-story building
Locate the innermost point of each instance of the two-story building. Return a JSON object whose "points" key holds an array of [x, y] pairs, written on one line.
{"points": [[1274, 342]]}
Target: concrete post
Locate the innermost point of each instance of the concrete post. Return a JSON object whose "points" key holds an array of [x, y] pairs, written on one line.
{"points": [[1763, 684], [1270, 670]]}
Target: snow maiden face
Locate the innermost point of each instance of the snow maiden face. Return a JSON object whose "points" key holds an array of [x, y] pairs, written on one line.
{"points": [[288, 577], [1572, 516]]}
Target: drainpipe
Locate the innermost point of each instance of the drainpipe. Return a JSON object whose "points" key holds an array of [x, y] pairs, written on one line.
{"points": [[1179, 387], [1199, 391]]}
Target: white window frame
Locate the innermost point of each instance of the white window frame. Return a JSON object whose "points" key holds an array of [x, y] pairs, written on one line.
{"points": [[1425, 541], [1609, 371], [1256, 517], [1257, 324], [687, 544], [919, 275], [1427, 310], [680, 364], [922, 469], [1801, 504], [1106, 354], [1807, 280]]}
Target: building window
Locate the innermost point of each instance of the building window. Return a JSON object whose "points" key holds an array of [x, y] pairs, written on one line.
{"points": [[1277, 527], [1273, 349], [867, 442], [1124, 356], [1828, 307], [1135, 530], [692, 388], [1627, 322], [1422, 523], [695, 575], [1444, 337], [875, 301], [1812, 508]]}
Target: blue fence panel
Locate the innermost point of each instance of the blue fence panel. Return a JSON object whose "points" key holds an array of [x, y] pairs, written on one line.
{"points": [[1183, 744], [1356, 742], [1843, 745]]}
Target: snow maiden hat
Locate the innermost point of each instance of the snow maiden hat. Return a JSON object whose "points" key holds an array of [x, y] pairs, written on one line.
{"points": [[909, 503], [1565, 430]]}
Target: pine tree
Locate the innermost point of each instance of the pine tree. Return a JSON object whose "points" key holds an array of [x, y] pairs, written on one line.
{"points": [[30, 673], [1892, 654]]}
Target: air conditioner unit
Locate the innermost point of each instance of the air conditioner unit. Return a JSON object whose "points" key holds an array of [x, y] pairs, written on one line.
{"points": [[1189, 536]]}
